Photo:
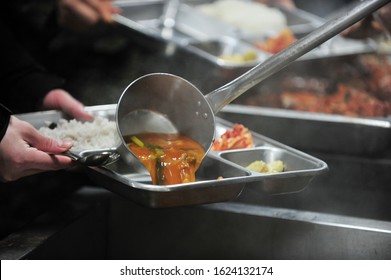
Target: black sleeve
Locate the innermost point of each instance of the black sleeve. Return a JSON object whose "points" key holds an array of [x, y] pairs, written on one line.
{"points": [[5, 115], [24, 82]]}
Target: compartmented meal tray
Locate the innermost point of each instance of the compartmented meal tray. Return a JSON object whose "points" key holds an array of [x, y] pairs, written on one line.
{"points": [[221, 176]]}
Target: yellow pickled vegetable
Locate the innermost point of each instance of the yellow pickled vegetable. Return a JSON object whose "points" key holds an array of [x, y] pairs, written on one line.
{"points": [[247, 56], [263, 167]]}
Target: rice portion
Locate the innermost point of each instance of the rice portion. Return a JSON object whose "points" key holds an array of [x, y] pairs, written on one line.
{"points": [[98, 134], [251, 17]]}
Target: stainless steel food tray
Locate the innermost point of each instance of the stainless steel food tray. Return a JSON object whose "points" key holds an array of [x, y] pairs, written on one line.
{"points": [[300, 170], [122, 179], [209, 38], [315, 131]]}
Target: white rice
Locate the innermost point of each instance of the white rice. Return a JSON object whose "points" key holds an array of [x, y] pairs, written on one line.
{"points": [[98, 134], [251, 17]]}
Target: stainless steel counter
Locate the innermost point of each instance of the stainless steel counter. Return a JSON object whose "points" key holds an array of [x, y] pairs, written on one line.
{"points": [[344, 214], [108, 227]]}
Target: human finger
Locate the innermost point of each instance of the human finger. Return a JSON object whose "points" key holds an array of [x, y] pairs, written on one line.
{"points": [[80, 12], [73, 107], [103, 8], [62, 100]]}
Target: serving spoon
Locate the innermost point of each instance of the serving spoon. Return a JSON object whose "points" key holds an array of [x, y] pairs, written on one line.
{"points": [[98, 157], [166, 103]]}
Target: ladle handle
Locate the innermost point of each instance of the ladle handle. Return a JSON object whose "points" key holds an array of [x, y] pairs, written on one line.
{"points": [[226, 94]]}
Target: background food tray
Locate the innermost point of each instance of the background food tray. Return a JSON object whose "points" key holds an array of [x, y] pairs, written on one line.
{"points": [[314, 131], [120, 178], [211, 39]]}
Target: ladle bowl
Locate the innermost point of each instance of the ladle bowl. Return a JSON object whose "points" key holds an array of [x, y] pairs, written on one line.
{"points": [[167, 103], [148, 104]]}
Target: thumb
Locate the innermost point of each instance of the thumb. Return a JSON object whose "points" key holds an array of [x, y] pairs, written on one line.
{"points": [[47, 144], [51, 145]]}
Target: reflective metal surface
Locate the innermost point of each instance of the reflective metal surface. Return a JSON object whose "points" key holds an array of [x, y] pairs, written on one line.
{"points": [[228, 230], [316, 132], [94, 157], [222, 176], [210, 39], [164, 103]]}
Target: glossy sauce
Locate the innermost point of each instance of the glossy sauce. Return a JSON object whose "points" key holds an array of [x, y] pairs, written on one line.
{"points": [[170, 158]]}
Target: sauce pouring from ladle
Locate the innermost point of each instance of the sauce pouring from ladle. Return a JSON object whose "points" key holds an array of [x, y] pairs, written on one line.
{"points": [[165, 103]]}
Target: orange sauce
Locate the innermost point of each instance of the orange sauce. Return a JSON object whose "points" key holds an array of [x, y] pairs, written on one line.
{"points": [[169, 158]]}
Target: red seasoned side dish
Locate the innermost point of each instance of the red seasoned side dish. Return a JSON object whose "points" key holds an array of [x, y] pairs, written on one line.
{"points": [[359, 89], [238, 137], [346, 101], [277, 43]]}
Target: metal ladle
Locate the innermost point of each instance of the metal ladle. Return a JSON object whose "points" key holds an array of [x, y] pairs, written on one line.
{"points": [[167, 103]]}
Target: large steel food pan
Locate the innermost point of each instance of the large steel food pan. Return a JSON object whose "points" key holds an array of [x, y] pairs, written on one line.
{"points": [[212, 39], [221, 177], [315, 131], [365, 136]]}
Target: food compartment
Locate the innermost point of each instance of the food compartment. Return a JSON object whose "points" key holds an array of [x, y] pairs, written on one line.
{"points": [[298, 168], [301, 22], [240, 47], [228, 52], [213, 169], [186, 23], [245, 157], [217, 181], [297, 20], [147, 13], [281, 170], [200, 27], [210, 169], [40, 119], [284, 27]]}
